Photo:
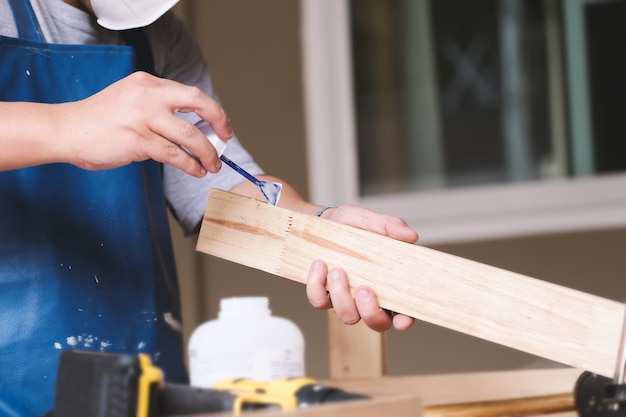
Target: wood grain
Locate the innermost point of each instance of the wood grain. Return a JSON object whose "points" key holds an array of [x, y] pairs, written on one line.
{"points": [[524, 313]]}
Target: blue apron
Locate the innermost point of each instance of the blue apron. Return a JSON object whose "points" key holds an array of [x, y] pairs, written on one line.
{"points": [[85, 257]]}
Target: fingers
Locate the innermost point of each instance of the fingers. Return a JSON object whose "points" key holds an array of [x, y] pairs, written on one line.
{"points": [[402, 322], [135, 119], [316, 291], [382, 224], [194, 100], [331, 289], [163, 150], [186, 99], [341, 297], [373, 316], [183, 98], [184, 147]]}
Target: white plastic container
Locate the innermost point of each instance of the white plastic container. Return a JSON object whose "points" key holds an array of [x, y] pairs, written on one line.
{"points": [[246, 341]]}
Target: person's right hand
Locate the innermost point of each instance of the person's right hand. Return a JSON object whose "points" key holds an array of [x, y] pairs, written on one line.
{"points": [[133, 120]]}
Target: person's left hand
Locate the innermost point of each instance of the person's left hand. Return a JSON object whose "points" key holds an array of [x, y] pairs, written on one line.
{"points": [[330, 288]]}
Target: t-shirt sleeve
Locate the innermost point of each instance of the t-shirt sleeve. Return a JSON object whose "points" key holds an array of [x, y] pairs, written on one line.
{"points": [[178, 57]]}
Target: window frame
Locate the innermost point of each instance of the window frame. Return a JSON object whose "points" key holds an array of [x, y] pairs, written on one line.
{"points": [[441, 216]]}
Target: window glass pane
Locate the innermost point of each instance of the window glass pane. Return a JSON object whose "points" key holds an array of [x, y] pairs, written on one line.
{"points": [[606, 39], [453, 93]]}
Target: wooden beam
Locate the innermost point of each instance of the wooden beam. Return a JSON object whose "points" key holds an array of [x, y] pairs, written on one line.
{"points": [[524, 313], [355, 351], [467, 387], [547, 404]]}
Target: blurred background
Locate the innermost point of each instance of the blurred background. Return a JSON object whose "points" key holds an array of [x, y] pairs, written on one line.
{"points": [[495, 127]]}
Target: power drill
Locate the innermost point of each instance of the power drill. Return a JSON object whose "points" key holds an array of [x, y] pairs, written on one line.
{"points": [[125, 385]]}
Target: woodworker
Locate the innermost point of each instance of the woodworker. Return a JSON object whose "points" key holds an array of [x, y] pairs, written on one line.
{"points": [[91, 154]]}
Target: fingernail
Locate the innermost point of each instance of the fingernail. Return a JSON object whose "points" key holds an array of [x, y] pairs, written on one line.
{"points": [[317, 265], [362, 294], [334, 275]]}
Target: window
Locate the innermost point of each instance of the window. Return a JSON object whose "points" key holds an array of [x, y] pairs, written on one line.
{"points": [[469, 119]]}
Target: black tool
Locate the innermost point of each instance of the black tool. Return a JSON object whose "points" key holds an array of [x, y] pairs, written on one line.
{"points": [[91, 384], [599, 396]]}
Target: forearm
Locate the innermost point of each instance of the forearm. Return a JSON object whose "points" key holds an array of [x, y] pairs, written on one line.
{"points": [[29, 135]]}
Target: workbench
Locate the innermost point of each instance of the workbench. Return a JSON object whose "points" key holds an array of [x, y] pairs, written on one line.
{"points": [[430, 395]]}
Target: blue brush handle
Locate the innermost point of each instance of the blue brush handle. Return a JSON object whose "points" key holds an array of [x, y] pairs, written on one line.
{"points": [[240, 170]]}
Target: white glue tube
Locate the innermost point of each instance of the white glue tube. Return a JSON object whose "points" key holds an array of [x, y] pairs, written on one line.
{"points": [[270, 190], [218, 144]]}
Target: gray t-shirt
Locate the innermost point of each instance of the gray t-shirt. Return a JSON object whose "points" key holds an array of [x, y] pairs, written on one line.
{"points": [[177, 57]]}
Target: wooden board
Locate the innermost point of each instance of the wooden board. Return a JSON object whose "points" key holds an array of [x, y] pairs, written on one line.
{"points": [[524, 313], [514, 407], [467, 387], [485, 394]]}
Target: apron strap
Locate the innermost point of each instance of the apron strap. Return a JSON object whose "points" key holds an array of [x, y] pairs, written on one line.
{"points": [[28, 29], [26, 21], [144, 60]]}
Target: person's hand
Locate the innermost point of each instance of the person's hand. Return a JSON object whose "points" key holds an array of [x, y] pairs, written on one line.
{"points": [[133, 120], [330, 288]]}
